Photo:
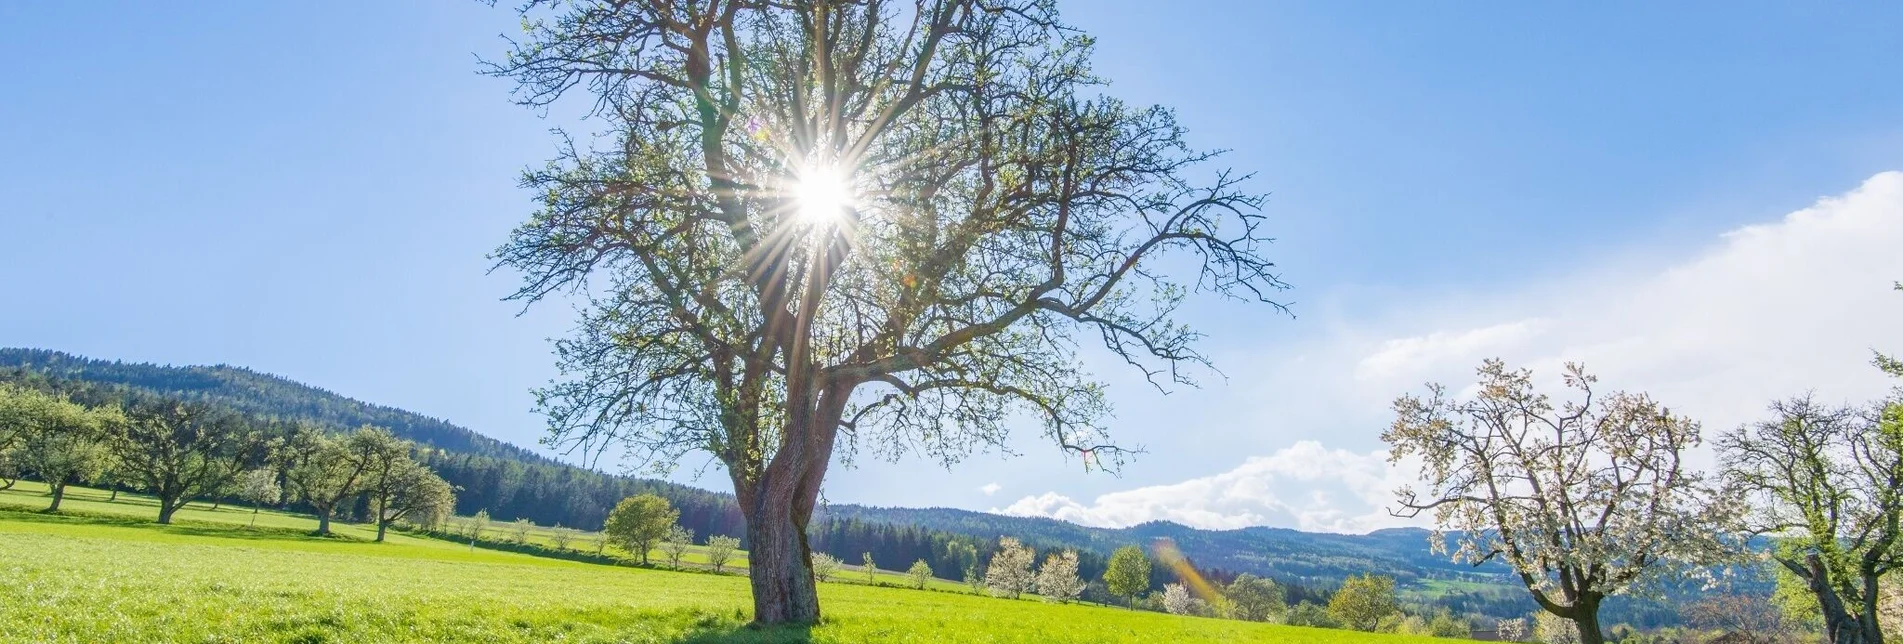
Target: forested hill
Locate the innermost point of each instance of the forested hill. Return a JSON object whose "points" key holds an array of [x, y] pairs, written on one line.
{"points": [[261, 394]]}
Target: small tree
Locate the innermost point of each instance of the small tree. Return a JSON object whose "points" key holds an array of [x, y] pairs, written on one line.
{"points": [[637, 522], [1511, 630], [1057, 580], [720, 549], [561, 536], [825, 566], [521, 528], [410, 493], [1752, 619], [67, 443], [1255, 599], [1009, 574], [974, 579], [1549, 628], [1177, 600], [871, 569], [1128, 573], [258, 487], [600, 542], [919, 574], [178, 451], [1363, 601], [1311, 614], [1584, 500], [477, 524], [675, 543]]}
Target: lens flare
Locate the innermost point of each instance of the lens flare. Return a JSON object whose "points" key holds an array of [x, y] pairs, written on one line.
{"points": [[821, 195]]}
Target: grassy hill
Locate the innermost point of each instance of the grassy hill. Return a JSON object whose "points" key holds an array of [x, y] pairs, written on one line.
{"points": [[104, 572]]}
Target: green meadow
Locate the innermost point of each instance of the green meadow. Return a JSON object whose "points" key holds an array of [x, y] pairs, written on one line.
{"points": [[102, 571]]}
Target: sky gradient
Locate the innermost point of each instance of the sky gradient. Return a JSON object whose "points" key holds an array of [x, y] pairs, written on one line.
{"points": [[311, 191]]}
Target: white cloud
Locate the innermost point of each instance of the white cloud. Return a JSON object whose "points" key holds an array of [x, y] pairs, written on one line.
{"points": [[1306, 486], [990, 488], [1766, 311]]}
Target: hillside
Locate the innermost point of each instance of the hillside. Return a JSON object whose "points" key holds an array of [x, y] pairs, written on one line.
{"points": [[510, 482]]}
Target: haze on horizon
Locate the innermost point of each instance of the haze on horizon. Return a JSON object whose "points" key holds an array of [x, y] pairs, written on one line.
{"points": [[1654, 191]]}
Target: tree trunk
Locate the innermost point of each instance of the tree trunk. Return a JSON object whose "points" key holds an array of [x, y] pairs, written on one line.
{"points": [[59, 493], [778, 567], [115, 493], [254, 517], [382, 526], [323, 523], [1587, 621], [166, 508]]}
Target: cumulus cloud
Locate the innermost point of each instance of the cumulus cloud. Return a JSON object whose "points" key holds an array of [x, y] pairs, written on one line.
{"points": [[1765, 311], [1306, 486], [990, 488]]}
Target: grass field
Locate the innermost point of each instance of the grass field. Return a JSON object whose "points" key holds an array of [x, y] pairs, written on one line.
{"points": [[103, 572]]}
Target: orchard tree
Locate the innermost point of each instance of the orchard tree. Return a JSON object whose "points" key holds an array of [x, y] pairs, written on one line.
{"points": [[335, 470], [1828, 483], [259, 487], [862, 223], [561, 535], [1255, 599], [720, 548], [675, 543], [824, 566], [1128, 573], [408, 491], [1177, 600], [638, 522], [68, 443], [1584, 500], [1009, 574], [1363, 601], [1057, 580], [178, 451], [1511, 630], [871, 569], [919, 574]]}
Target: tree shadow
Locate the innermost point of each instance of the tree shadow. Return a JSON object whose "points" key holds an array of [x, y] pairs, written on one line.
{"points": [[178, 527], [747, 634]]}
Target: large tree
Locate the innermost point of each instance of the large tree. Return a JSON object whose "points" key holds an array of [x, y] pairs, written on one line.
{"points": [[887, 222], [401, 489], [1585, 499], [70, 443], [638, 522], [337, 470], [178, 451], [1828, 483]]}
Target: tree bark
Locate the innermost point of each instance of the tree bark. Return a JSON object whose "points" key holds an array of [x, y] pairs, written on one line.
{"points": [[166, 508], [1586, 619], [323, 523], [59, 493], [115, 493], [781, 573], [382, 527]]}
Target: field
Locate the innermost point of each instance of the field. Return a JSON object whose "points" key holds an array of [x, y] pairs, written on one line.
{"points": [[103, 572]]}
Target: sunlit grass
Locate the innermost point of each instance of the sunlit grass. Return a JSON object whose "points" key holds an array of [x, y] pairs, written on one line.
{"points": [[104, 572]]}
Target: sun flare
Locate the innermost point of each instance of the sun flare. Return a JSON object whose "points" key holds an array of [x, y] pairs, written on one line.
{"points": [[821, 195]]}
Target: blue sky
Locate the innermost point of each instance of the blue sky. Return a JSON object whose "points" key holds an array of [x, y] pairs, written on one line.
{"points": [[310, 190]]}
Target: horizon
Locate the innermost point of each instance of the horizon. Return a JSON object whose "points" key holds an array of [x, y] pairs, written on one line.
{"points": [[1655, 193]]}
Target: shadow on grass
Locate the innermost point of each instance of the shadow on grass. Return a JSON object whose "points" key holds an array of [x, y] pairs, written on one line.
{"points": [[729, 634], [179, 527]]}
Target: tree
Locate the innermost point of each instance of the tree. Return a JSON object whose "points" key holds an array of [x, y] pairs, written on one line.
{"points": [[1177, 600], [871, 570], [67, 443], [397, 485], [1889, 364], [1128, 573], [333, 473], [178, 451], [1256, 599], [1752, 619], [600, 541], [1009, 574], [720, 548], [1057, 580], [1511, 630], [522, 527], [1829, 482], [1585, 500], [479, 523], [1363, 601], [1311, 614], [408, 491], [639, 521], [1550, 628], [974, 579], [919, 574], [675, 543], [259, 487], [561, 536], [825, 566], [816, 217]]}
